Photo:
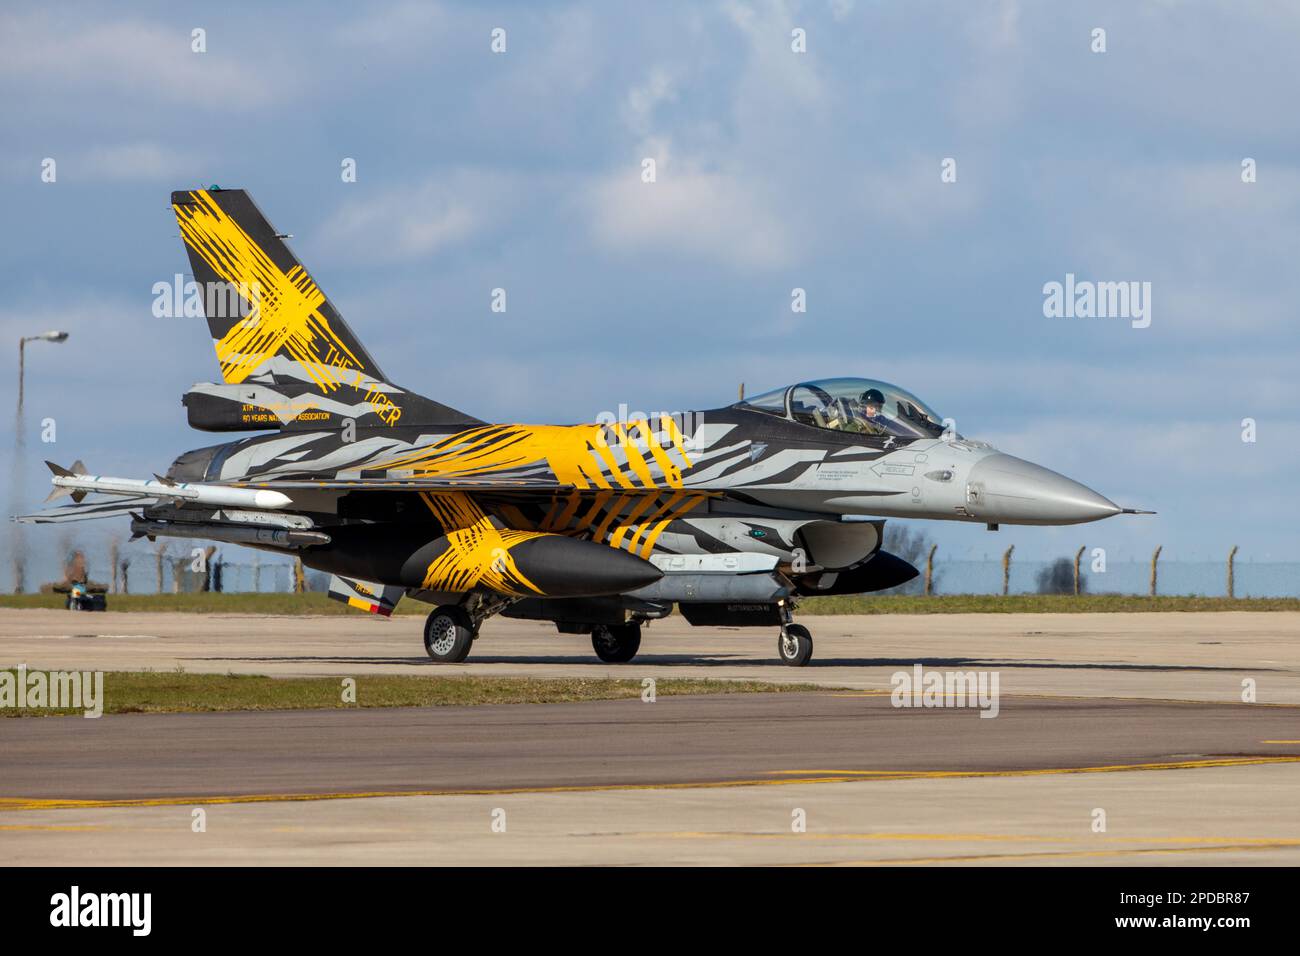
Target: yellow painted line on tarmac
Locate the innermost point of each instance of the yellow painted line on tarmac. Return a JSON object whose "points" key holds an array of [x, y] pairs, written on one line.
{"points": [[1280, 741], [1065, 854], [1112, 768], [960, 837], [1092, 697], [57, 803], [8, 827], [778, 778]]}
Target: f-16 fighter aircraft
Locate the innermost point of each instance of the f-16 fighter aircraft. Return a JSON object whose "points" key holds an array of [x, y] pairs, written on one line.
{"points": [[733, 514]]}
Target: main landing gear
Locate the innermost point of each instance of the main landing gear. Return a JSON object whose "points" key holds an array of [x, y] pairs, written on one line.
{"points": [[449, 633], [616, 643], [450, 630]]}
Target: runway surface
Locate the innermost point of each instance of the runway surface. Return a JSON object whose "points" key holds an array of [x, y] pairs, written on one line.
{"points": [[1119, 739], [674, 740], [1195, 656]]}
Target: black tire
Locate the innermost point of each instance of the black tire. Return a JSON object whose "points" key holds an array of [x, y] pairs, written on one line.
{"points": [[448, 634], [616, 643], [795, 645]]}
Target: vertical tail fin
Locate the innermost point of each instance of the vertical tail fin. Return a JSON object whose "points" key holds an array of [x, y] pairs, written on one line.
{"points": [[277, 337]]}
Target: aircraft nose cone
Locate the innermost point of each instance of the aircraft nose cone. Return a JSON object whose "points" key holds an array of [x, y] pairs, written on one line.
{"points": [[1010, 489]]}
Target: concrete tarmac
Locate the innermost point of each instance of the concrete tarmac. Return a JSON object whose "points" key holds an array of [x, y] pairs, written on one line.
{"points": [[1192, 656], [1120, 739]]}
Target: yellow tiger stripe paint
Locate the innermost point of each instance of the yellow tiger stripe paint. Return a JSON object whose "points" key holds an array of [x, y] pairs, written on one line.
{"points": [[602, 452], [654, 524], [478, 552], [615, 509], [635, 461], [666, 466], [570, 509], [601, 500], [647, 526], [576, 454], [630, 522], [284, 308], [690, 502], [675, 433]]}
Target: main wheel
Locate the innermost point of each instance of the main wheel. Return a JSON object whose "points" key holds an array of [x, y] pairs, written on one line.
{"points": [[448, 634], [795, 645], [616, 643]]}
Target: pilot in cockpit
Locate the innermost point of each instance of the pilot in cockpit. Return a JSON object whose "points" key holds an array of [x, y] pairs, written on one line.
{"points": [[870, 409]]}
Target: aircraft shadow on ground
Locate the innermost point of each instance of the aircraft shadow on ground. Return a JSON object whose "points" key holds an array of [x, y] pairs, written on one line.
{"points": [[686, 660]]}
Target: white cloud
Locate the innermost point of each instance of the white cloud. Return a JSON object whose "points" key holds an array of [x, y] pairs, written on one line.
{"points": [[139, 59], [418, 221], [689, 211], [132, 161]]}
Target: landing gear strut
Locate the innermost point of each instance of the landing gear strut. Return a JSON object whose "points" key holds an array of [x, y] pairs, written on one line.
{"points": [[795, 645], [616, 643], [448, 634]]}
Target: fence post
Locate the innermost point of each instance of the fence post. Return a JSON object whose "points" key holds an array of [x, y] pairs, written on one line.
{"points": [[929, 570], [1077, 555], [1154, 558], [160, 549], [1232, 556], [112, 566], [1006, 570]]}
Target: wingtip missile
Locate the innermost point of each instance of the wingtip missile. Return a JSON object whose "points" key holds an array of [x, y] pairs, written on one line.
{"points": [[79, 484]]}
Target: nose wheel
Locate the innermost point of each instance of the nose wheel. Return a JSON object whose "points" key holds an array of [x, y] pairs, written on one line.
{"points": [[795, 645]]}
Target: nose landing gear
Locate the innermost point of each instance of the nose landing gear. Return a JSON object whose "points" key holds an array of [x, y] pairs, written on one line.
{"points": [[795, 645]]}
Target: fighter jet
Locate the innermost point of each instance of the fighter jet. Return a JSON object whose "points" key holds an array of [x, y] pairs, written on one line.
{"points": [[732, 514]]}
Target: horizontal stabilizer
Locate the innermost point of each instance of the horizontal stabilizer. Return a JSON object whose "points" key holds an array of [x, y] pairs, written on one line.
{"points": [[84, 511]]}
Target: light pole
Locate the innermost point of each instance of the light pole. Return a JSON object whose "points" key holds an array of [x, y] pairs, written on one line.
{"points": [[16, 471], [22, 352]]}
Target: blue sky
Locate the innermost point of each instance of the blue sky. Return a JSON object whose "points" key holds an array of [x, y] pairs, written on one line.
{"points": [[775, 170]]}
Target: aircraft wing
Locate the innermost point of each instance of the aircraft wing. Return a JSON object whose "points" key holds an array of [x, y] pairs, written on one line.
{"points": [[447, 485], [86, 510], [405, 484]]}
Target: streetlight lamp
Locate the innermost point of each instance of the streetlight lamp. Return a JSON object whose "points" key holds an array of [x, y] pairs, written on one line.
{"points": [[22, 351], [20, 442]]}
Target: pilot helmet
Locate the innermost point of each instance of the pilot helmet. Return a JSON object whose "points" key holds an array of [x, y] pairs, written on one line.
{"points": [[873, 396]]}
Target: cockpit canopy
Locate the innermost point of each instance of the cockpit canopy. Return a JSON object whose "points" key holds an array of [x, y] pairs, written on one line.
{"points": [[857, 405]]}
